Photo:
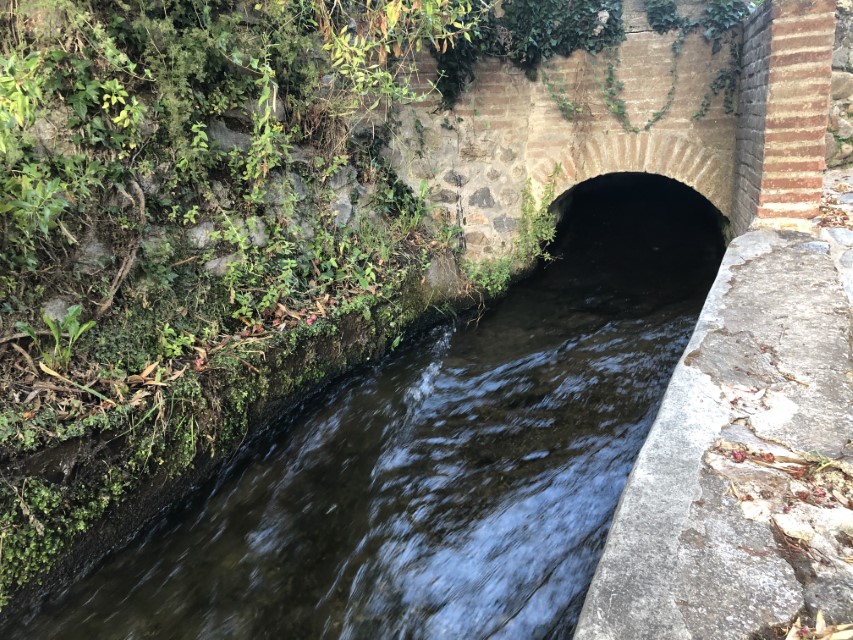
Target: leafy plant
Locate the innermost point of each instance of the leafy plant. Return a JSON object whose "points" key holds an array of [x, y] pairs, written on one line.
{"points": [[175, 343], [31, 199], [662, 15], [558, 94], [65, 333], [390, 30], [720, 17], [528, 33]]}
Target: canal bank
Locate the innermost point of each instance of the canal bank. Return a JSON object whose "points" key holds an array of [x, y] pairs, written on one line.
{"points": [[736, 520]]}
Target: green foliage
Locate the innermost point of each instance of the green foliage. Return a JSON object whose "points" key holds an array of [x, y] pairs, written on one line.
{"points": [[391, 30], [36, 523], [492, 275], [558, 94], [720, 17], [614, 101], [175, 343], [65, 333], [662, 15], [21, 86], [538, 30], [528, 33], [108, 129], [31, 199], [726, 81]]}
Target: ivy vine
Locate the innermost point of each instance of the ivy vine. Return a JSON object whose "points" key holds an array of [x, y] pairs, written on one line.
{"points": [[663, 17], [559, 92], [719, 18], [725, 81], [528, 32]]}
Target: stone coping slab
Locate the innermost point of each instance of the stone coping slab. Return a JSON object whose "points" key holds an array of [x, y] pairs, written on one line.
{"points": [[737, 515]]}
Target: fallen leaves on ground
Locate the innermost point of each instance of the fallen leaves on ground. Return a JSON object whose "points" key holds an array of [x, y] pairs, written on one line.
{"points": [[820, 631]]}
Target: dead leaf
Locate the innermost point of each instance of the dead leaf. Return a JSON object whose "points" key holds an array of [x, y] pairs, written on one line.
{"points": [[149, 369], [287, 311], [177, 374], [794, 632], [137, 398]]}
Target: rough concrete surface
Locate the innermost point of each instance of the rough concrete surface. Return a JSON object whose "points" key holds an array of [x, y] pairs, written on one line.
{"points": [[737, 516]]}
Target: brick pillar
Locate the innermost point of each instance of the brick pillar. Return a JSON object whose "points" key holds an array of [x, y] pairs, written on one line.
{"points": [[787, 63]]}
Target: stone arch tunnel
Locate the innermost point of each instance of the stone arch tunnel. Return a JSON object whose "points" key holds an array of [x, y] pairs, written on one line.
{"points": [[764, 159], [649, 232]]}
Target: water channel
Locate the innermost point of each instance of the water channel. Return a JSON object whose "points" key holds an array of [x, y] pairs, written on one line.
{"points": [[461, 488]]}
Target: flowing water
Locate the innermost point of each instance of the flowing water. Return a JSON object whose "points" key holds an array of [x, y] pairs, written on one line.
{"points": [[462, 488]]}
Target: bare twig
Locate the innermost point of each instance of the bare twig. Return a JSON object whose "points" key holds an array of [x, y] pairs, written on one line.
{"points": [[55, 387], [21, 336], [130, 258], [27, 357]]}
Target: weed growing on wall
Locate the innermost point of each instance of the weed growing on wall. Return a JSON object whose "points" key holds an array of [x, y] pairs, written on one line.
{"points": [[535, 231]]}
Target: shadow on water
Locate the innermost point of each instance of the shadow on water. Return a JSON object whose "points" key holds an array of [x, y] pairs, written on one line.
{"points": [[460, 489]]}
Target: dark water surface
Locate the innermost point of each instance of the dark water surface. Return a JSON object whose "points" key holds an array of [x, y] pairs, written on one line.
{"points": [[460, 489]]}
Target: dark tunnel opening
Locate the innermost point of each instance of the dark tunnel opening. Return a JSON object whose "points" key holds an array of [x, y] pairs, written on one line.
{"points": [[644, 238]]}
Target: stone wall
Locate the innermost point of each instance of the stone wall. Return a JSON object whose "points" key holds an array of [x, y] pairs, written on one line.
{"points": [[752, 109], [839, 138]]}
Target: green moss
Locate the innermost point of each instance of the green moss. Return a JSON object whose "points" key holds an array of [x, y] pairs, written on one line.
{"points": [[37, 521]]}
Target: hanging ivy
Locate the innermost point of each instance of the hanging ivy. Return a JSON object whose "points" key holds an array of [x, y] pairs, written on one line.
{"points": [[720, 17], [542, 28], [529, 32], [725, 81], [663, 15]]}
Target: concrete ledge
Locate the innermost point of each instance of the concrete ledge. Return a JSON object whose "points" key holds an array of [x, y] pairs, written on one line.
{"points": [[696, 549]]}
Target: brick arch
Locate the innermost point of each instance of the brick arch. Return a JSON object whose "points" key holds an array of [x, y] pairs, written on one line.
{"points": [[661, 153]]}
